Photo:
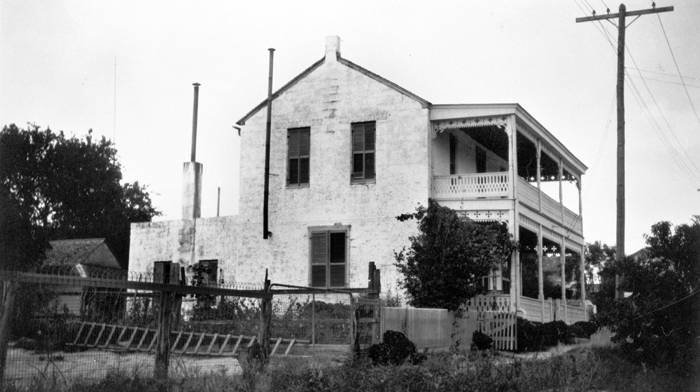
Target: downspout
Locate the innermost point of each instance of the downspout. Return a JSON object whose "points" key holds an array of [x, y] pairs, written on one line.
{"points": [[268, 128]]}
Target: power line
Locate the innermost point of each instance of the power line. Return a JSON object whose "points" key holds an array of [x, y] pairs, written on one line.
{"points": [[668, 81], [665, 73], [677, 301], [680, 75], [679, 146], [659, 133], [673, 151]]}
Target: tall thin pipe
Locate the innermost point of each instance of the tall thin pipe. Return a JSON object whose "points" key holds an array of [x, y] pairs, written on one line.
{"points": [[218, 200], [268, 129], [193, 151]]}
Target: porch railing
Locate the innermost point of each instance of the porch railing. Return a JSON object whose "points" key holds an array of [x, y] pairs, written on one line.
{"points": [[552, 309], [473, 185], [528, 194]]}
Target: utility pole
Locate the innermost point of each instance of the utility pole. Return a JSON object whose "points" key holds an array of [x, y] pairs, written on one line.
{"points": [[621, 27]]}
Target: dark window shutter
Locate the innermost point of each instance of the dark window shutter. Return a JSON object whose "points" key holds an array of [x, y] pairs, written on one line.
{"points": [[318, 276], [337, 275], [304, 171], [294, 171], [293, 143], [357, 166], [357, 138], [369, 165], [369, 136], [304, 141]]}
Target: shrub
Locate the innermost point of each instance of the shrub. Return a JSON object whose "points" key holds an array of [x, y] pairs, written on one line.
{"points": [[481, 341], [534, 336], [583, 329], [395, 349]]}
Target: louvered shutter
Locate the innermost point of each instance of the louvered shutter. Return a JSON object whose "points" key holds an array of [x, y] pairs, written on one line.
{"points": [[319, 258]]}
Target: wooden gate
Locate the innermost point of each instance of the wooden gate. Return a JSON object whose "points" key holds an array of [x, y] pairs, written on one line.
{"points": [[499, 326]]}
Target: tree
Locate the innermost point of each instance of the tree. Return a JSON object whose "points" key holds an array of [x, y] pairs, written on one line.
{"points": [[597, 257], [70, 187], [658, 323], [447, 259]]}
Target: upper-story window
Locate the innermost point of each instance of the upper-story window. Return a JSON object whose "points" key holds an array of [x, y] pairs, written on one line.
{"points": [[298, 156], [363, 151]]}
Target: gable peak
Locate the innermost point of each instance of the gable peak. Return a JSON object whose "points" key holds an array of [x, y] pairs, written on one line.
{"points": [[332, 48]]}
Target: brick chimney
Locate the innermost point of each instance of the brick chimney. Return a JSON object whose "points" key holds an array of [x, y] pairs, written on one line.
{"points": [[332, 48]]}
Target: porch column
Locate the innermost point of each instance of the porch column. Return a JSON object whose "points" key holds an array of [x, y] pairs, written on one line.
{"points": [[539, 175], [583, 272], [540, 275], [515, 284], [561, 191], [562, 257], [580, 203]]}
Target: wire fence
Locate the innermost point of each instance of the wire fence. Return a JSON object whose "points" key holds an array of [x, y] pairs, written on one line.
{"points": [[69, 326]]}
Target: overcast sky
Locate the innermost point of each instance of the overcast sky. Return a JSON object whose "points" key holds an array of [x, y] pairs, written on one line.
{"points": [[57, 69]]}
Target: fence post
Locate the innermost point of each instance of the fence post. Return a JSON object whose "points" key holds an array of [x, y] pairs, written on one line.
{"points": [[165, 312], [265, 319], [8, 300], [313, 319]]}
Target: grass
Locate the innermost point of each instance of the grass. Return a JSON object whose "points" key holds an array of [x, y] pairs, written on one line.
{"points": [[578, 370]]}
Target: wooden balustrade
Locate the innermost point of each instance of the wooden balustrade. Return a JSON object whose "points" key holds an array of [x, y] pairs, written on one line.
{"points": [[474, 185], [528, 194]]}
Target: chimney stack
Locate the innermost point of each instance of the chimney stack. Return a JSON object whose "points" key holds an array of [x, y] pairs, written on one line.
{"points": [[192, 171], [332, 48]]}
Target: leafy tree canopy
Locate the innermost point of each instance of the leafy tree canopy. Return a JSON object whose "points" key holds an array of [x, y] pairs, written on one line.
{"points": [[70, 187], [447, 259], [657, 324]]}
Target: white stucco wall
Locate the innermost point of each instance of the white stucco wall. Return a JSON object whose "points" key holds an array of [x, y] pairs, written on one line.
{"points": [[465, 156], [328, 100]]}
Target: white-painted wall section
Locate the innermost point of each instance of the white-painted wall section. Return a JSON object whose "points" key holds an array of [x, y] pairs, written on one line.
{"points": [[327, 100]]}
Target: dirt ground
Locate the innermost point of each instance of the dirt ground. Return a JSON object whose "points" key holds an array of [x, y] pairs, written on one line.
{"points": [[24, 365]]}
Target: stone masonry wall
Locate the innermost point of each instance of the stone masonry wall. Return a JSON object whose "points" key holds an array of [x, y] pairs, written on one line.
{"points": [[328, 100]]}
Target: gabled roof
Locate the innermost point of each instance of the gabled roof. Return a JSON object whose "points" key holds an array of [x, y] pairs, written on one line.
{"points": [[348, 64], [86, 251]]}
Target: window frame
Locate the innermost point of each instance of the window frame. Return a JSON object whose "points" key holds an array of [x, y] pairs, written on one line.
{"points": [[328, 230], [364, 179], [298, 157]]}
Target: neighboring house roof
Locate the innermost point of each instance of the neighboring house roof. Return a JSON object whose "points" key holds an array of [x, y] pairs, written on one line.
{"points": [[92, 252], [348, 64], [640, 254]]}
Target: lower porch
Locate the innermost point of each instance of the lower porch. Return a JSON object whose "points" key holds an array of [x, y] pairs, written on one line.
{"points": [[544, 280]]}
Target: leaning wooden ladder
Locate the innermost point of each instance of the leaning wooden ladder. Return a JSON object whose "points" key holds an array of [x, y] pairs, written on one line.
{"points": [[130, 338]]}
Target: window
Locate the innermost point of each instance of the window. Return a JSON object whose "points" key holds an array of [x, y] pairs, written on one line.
{"points": [[298, 156], [453, 154], [363, 151], [328, 258], [480, 160]]}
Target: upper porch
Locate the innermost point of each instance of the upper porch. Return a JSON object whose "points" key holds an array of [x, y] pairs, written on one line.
{"points": [[491, 155]]}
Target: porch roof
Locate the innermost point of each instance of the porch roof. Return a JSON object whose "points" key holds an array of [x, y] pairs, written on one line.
{"points": [[526, 123]]}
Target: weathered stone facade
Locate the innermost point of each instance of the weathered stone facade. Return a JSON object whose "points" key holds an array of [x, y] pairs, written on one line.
{"points": [[328, 100]]}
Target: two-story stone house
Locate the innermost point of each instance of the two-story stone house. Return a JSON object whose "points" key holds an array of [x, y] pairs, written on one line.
{"points": [[350, 151]]}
